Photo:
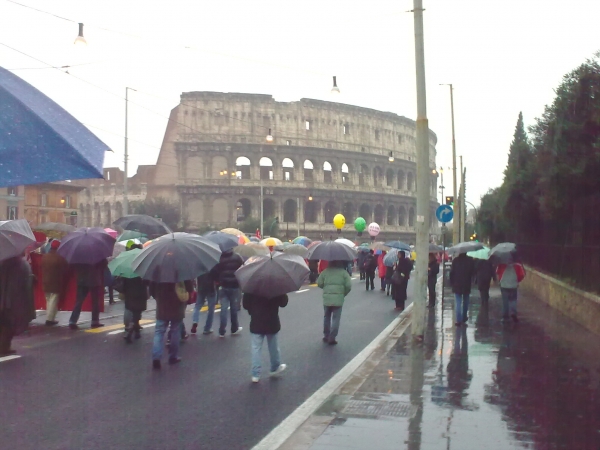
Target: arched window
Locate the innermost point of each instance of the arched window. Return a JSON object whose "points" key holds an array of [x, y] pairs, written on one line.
{"points": [[401, 180], [389, 177], [378, 213], [290, 211], [345, 173], [410, 182], [348, 211], [268, 209], [243, 209], [327, 172], [266, 168], [411, 217], [377, 176], [310, 211], [288, 169], [391, 215], [308, 170], [242, 168], [363, 171], [365, 212], [329, 211], [402, 216]]}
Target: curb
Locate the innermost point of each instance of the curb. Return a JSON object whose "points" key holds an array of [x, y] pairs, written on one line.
{"points": [[282, 432]]}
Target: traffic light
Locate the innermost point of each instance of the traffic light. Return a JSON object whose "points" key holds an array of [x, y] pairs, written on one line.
{"points": [[450, 200]]}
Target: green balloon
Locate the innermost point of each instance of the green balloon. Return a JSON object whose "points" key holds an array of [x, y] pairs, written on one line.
{"points": [[360, 224]]}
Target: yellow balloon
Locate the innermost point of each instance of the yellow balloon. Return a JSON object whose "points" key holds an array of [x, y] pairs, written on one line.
{"points": [[339, 221]]}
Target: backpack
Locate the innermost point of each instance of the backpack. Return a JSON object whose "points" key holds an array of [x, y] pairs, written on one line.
{"points": [[182, 294]]}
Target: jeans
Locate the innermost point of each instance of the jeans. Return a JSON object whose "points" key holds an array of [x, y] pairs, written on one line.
{"points": [[257, 342], [228, 299], [509, 302], [370, 277], [159, 338], [461, 305], [331, 322], [82, 292], [211, 299]]}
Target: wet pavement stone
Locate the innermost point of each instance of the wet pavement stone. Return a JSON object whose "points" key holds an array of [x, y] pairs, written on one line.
{"points": [[491, 385]]}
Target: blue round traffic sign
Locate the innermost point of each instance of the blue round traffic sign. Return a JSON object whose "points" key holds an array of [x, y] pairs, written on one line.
{"points": [[444, 213]]}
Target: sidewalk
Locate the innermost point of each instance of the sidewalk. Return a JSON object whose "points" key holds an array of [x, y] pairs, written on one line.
{"points": [[535, 384]]}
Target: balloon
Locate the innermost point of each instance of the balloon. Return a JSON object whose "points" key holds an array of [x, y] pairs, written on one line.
{"points": [[373, 229], [339, 221], [360, 224]]}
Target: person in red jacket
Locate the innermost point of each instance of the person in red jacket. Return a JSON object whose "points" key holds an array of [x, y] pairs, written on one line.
{"points": [[323, 265], [381, 269], [510, 275]]}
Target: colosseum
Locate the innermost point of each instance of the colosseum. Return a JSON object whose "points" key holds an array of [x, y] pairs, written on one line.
{"points": [[308, 160]]}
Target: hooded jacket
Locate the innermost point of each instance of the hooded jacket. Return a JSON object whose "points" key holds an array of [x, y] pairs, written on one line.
{"points": [[336, 284], [461, 274], [264, 312], [224, 271]]}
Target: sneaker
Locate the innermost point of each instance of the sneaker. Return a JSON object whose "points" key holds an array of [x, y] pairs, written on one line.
{"points": [[255, 379], [280, 369], [96, 325], [332, 342], [236, 331], [50, 323], [73, 326], [184, 337], [194, 328], [221, 335], [156, 364], [176, 360], [207, 332]]}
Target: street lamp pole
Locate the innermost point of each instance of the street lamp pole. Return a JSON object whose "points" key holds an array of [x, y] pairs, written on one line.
{"points": [[298, 216], [422, 225], [261, 209], [455, 230], [126, 158]]}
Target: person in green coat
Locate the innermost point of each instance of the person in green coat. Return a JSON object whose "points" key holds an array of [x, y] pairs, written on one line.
{"points": [[336, 284]]}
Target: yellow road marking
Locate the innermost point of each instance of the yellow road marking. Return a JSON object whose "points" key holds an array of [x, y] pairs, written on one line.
{"points": [[115, 327], [313, 284]]}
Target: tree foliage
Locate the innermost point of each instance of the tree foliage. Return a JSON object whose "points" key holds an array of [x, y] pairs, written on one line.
{"points": [[169, 212]]}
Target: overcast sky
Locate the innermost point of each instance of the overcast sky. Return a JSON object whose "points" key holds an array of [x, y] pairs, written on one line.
{"points": [[503, 56]]}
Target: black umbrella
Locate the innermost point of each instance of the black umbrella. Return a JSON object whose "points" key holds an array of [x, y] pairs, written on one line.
{"points": [[225, 241], [504, 253], [464, 247], [273, 275], [15, 237], [142, 223], [331, 251], [399, 245], [176, 257]]}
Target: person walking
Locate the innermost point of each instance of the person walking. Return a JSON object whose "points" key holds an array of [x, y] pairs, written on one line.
{"points": [[433, 270], [90, 280], [400, 279], [336, 285], [485, 275], [313, 266], [510, 275], [461, 274], [168, 312], [370, 265], [360, 263], [389, 272], [16, 301], [264, 323], [206, 293], [135, 294], [54, 269], [381, 269], [224, 274]]}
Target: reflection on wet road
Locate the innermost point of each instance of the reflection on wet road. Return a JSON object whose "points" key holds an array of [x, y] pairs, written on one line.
{"points": [[535, 384]]}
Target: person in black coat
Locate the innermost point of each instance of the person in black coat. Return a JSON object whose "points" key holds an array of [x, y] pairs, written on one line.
{"points": [[369, 266], [264, 322], [229, 294], [360, 262], [403, 269], [485, 274], [433, 270], [461, 274]]}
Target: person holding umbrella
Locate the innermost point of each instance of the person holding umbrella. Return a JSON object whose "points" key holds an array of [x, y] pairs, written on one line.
{"points": [[510, 272], [224, 273], [336, 285], [370, 265], [461, 274], [400, 279]]}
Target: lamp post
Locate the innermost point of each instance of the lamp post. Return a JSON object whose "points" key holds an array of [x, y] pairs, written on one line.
{"points": [[126, 158], [455, 230]]}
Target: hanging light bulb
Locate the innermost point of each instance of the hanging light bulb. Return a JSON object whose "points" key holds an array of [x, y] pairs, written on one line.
{"points": [[80, 40], [269, 137], [335, 90], [391, 157]]}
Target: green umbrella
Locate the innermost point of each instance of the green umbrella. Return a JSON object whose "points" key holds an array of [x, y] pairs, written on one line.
{"points": [[121, 265], [130, 234], [480, 254]]}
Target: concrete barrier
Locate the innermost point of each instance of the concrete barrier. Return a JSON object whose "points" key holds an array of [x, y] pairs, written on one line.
{"points": [[579, 305]]}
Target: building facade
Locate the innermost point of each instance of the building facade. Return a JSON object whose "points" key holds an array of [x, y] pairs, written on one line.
{"points": [[12, 202], [321, 159], [52, 202]]}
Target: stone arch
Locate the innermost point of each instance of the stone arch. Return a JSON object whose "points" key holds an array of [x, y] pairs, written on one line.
{"points": [[377, 176], [402, 216], [88, 215], [311, 208], [349, 211], [309, 170], [118, 210], [362, 174], [288, 169], [329, 211], [401, 180], [194, 167], [97, 218], [266, 168], [411, 217], [346, 173], [220, 211], [378, 214], [290, 211], [242, 168], [410, 182], [195, 211], [107, 215], [327, 172], [269, 208], [219, 165], [365, 212], [243, 209], [389, 177], [391, 215]]}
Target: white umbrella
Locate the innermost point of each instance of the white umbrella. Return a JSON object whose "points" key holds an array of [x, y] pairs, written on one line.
{"points": [[347, 242]]}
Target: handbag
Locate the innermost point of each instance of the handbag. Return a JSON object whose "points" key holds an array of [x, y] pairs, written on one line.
{"points": [[397, 278], [182, 294]]}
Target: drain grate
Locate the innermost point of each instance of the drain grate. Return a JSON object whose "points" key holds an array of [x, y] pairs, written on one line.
{"points": [[378, 408]]}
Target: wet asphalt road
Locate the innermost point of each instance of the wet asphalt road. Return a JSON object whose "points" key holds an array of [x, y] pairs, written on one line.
{"points": [[78, 390]]}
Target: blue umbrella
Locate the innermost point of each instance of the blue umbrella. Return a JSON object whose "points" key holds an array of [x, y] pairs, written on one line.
{"points": [[399, 245], [40, 141], [87, 246], [225, 241]]}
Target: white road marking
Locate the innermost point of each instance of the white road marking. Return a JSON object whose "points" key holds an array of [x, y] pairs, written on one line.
{"points": [[285, 429], [302, 290], [116, 332], [9, 357]]}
